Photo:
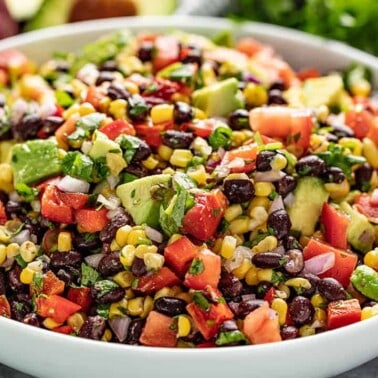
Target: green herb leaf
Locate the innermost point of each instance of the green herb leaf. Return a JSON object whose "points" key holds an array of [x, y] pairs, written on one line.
{"points": [[103, 310], [63, 99], [78, 165], [197, 267], [26, 192], [89, 276], [90, 122], [220, 137], [20, 261], [129, 145], [200, 300], [231, 337], [100, 170]]}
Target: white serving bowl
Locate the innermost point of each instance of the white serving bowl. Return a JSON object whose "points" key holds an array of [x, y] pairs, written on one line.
{"points": [[46, 354]]}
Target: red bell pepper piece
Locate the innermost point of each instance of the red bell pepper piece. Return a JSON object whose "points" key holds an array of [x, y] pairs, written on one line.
{"points": [[364, 205], [94, 96], [5, 309], [81, 296], [204, 271], [3, 214], [167, 51], [91, 220], [74, 200], [179, 255], [56, 307], [114, 129], [52, 284], [342, 313], [202, 220], [152, 283], [158, 331], [152, 133], [64, 329], [345, 262], [270, 295], [359, 120], [335, 224], [53, 208]]}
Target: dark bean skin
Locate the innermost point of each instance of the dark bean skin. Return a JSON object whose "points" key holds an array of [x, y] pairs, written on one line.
{"points": [[27, 128], [334, 175], [109, 65], [145, 51], [2, 283], [64, 259], [134, 331], [342, 131], [112, 296], [194, 56], [137, 102], [51, 124], [182, 112], [310, 165], [295, 263], [331, 289], [238, 190], [267, 260], [170, 306], [369, 303], [32, 319], [69, 275], [245, 307], [137, 170], [177, 139], [289, 332], [86, 245], [332, 138], [279, 84], [109, 232], [138, 268], [117, 91], [229, 285], [292, 243], [104, 76], [14, 280], [19, 310], [110, 264], [13, 207], [275, 97], [239, 119], [93, 328], [301, 310], [362, 176], [280, 222], [314, 280], [285, 185], [263, 161], [262, 288], [142, 152]]}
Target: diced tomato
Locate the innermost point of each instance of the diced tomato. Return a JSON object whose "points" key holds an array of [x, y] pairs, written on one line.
{"points": [[81, 296], [248, 46], [161, 88], [167, 51], [91, 220], [152, 283], [308, 73], [152, 133], [5, 309], [270, 295], [359, 120], [291, 124], [3, 213], [202, 220], [64, 329], [14, 60], [94, 96], [335, 224], [158, 331], [53, 208], [179, 255], [373, 131], [52, 284], [4, 77], [204, 271], [261, 326], [374, 197], [207, 344], [64, 131], [208, 321], [364, 205], [56, 307], [114, 129], [202, 128], [242, 159], [345, 262], [342, 313], [74, 200]]}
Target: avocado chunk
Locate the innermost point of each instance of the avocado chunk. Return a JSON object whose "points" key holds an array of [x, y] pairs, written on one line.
{"points": [[219, 99], [324, 90], [142, 198], [103, 145], [309, 197], [365, 280], [360, 233], [34, 161]]}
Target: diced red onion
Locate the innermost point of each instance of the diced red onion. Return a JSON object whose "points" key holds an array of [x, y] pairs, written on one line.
{"points": [[248, 77], [239, 255], [269, 176], [86, 147], [94, 260], [47, 108], [22, 236], [221, 152], [112, 181], [73, 185], [19, 108], [113, 213], [7, 263], [289, 200], [374, 197], [320, 263], [88, 74], [153, 234], [120, 326], [277, 204], [110, 203]]}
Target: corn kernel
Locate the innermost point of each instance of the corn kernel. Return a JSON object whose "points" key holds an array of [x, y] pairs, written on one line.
{"points": [[255, 95], [143, 249], [263, 189], [118, 108], [36, 266], [181, 158], [208, 74], [64, 241], [131, 87], [298, 283], [118, 308], [318, 301], [6, 173], [265, 275], [198, 174], [251, 278], [354, 144], [284, 289], [368, 312], [338, 191], [175, 290], [165, 152], [184, 326], [228, 247], [241, 271], [114, 247], [27, 275], [136, 236], [50, 323], [361, 88], [320, 315], [267, 244], [148, 305], [239, 225], [306, 330], [107, 336], [28, 251], [184, 296], [259, 202], [280, 306], [240, 239], [176, 97], [3, 253], [76, 321], [129, 293], [371, 258], [169, 171], [5, 235], [162, 113], [13, 249], [122, 234], [150, 163], [115, 163], [173, 238], [164, 292], [153, 261], [199, 114], [278, 162], [127, 255], [124, 279], [135, 306], [233, 212]]}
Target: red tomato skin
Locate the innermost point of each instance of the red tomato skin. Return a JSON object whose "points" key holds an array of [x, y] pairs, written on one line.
{"points": [[167, 51], [247, 152], [74, 200], [153, 283], [64, 329], [5, 309], [3, 214], [56, 307], [14, 59], [52, 284], [248, 46], [363, 204], [94, 96], [342, 313], [91, 220], [335, 224], [53, 208], [81, 296], [152, 133], [116, 128], [359, 121]]}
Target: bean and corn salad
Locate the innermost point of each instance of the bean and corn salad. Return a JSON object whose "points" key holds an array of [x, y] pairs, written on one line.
{"points": [[167, 190]]}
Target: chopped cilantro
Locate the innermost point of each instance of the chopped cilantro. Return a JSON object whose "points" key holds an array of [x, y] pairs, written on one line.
{"points": [[89, 276], [220, 137], [20, 261], [103, 310], [91, 121], [200, 300], [197, 267], [26, 192], [231, 337], [78, 165]]}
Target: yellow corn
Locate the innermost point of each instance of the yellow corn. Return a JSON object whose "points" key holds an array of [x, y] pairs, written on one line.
{"points": [[131, 87], [228, 247], [164, 292], [320, 315], [369, 311], [3, 253], [338, 191], [371, 258], [298, 283], [267, 244], [184, 326], [241, 271], [263, 189], [136, 236], [107, 336], [114, 247], [259, 216], [259, 202], [36, 266], [76, 321], [148, 305], [318, 301], [28, 251], [143, 249], [181, 158], [361, 88], [306, 330], [5, 235], [354, 144], [265, 275], [198, 174], [27, 275], [208, 74], [162, 113], [124, 279], [118, 308], [278, 162], [122, 235], [13, 249], [322, 112], [370, 151], [280, 306], [176, 97], [127, 255], [164, 152], [233, 212], [104, 105], [239, 225], [115, 163], [78, 87], [118, 108], [50, 323], [240, 239], [199, 114], [169, 171], [64, 241], [135, 306], [238, 138], [184, 296], [153, 261], [6, 173], [255, 95], [284, 289], [251, 278]]}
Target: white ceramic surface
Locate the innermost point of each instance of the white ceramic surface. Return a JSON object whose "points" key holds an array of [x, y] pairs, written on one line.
{"points": [[46, 354]]}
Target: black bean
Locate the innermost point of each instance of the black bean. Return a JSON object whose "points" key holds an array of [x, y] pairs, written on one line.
{"points": [[109, 65], [170, 306], [137, 109], [134, 331], [93, 328], [50, 125], [32, 319], [142, 152], [278, 84], [246, 306], [314, 280], [5, 130], [27, 128], [117, 91], [138, 268], [289, 332], [275, 97], [280, 223], [14, 281], [63, 259], [194, 56], [87, 243], [292, 243], [145, 51], [121, 219], [362, 176], [177, 139], [110, 264], [229, 285], [294, 263], [104, 76], [342, 131], [115, 295], [331, 289], [13, 207], [301, 310], [137, 170], [310, 165], [333, 175], [239, 119], [332, 138], [19, 310], [263, 160], [68, 275], [62, 66], [2, 283], [369, 303], [4, 198], [262, 288], [182, 112], [238, 190], [285, 185], [267, 260]]}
